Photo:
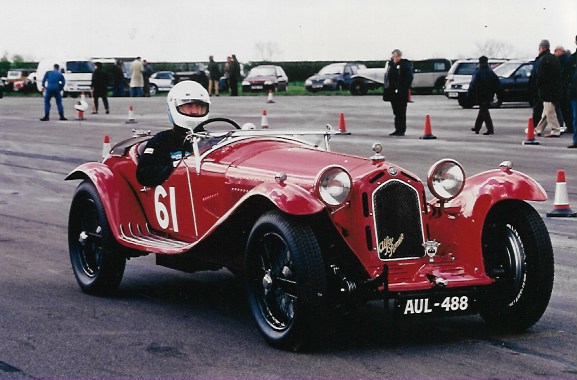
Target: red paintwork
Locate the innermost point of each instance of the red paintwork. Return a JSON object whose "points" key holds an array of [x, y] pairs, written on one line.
{"points": [[247, 167]]}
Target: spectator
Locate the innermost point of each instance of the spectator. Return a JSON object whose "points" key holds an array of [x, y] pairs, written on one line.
{"points": [[214, 76], [52, 84], [563, 108], [136, 78], [226, 70], [146, 73], [398, 80], [234, 76], [534, 94], [99, 87], [572, 90], [482, 89], [118, 80], [549, 88]]}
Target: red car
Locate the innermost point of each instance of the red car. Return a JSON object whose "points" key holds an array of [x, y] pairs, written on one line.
{"points": [[311, 230]]}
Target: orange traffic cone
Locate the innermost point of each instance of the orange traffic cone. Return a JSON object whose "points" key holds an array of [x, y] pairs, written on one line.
{"points": [[106, 147], [428, 134], [80, 115], [530, 133], [264, 120], [342, 124], [561, 206], [81, 106], [131, 116], [270, 99]]}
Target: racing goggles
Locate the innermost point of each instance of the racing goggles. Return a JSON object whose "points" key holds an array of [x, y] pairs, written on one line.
{"points": [[191, 107]]}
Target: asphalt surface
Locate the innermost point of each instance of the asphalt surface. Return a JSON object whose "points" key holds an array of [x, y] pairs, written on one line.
{"points": [[167, 324]]}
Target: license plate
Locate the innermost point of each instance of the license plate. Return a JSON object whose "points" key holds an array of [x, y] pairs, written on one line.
{"points": [[317, 85], [445, 304], [257, 87], [453, 95]]}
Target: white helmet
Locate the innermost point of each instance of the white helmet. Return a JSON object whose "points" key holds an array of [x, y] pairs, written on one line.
{"points": [[187, 92]]}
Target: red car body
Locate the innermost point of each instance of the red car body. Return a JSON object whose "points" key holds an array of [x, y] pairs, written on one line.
{"points": [[386, 241]]}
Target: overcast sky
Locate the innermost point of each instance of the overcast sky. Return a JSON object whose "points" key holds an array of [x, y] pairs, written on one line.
{"points": [[301, 29]]}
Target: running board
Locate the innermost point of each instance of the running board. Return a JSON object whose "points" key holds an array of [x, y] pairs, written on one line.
{"points": [[151, 242]]}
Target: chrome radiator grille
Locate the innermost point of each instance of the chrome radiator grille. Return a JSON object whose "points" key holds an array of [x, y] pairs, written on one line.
{"points": [[398, 224]]}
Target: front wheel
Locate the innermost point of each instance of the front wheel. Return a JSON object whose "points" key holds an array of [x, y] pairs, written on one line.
{"points": [[517, 252], [285, 280], [95, 255], [153, 89]]}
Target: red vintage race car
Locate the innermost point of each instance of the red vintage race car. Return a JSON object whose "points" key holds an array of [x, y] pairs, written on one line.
{"points": [[310, 230]]}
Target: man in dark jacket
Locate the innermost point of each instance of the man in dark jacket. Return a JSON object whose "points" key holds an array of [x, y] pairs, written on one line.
{"points": [[214, 73], [563, 108], [398, 80], [234, 76], [482, 89], [118, 79], [549, 88], [99, 87], [572, 91]]}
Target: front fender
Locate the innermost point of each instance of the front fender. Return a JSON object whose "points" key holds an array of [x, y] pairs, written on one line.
{"points": [[483, 190], [290, 199], [460, 227], [119, 201]]}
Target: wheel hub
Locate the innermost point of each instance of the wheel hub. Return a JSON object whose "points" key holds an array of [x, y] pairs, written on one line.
{"points": [[267, 282]]}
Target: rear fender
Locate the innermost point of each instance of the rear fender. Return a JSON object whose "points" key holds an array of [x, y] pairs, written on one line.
{"points": [[120, 202], [290, 199]]}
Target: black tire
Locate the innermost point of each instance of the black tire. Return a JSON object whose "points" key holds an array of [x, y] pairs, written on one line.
{"points": [[517, 252], [96, 257], [153, 89], [339, 86], [464, 102], [285, 280], [357, 87]]}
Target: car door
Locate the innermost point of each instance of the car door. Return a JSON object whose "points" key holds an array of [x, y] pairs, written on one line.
{"points": [[347, 74], [520, 88], [168, 206], [282, 79]]}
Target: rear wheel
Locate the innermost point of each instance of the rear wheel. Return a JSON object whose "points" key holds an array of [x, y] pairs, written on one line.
{"points": [[357, 87], [463, 101], [153, 89], [285, 280], [517, 252], [96, 259]]}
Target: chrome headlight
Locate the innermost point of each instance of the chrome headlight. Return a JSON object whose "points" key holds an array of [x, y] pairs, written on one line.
{"points": [[328, 81], [245, 83], [446, 179], [268, 82], [333, 185], [308, 82]]}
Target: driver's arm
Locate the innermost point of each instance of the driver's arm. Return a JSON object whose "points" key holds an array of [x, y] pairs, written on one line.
{"points": [[155, 164]]}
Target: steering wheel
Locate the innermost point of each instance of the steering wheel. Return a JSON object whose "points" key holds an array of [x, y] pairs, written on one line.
{"points": [[200, 127]]}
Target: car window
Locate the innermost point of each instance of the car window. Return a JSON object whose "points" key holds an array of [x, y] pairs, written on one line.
{"points": [[162, 76], [261, 71], [348, 70], [525, 70], [333, 68], [79, 66], [466, 68], [439, 66]]}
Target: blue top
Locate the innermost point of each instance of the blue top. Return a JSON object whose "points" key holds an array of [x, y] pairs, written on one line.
{"points": [[53, 80]]}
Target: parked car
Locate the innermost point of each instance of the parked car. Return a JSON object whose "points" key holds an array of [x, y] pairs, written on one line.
{"points": [[336, 76], [1, 89], [161, 81], [27, 85], [428, 76], [459, 77], [77, 73], [312, 231], [514, 76], [16, 75], [264, 78]]}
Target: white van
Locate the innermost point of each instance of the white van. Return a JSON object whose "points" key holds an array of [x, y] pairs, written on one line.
{"points": [[77, 72]]}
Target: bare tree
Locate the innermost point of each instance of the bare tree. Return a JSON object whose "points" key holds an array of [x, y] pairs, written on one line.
{"points": [[495, 49], [267, 50]]}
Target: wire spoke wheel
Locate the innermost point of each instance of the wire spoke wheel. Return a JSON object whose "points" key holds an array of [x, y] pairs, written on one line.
{"points": [[95, 256], [285, 280], [517, 253]]}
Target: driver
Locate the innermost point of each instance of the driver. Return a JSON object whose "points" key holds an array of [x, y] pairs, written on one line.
{"points": [[188, 104]]}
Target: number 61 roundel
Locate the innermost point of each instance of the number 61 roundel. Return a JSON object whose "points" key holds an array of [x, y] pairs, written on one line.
{"points": [[164, 217]]}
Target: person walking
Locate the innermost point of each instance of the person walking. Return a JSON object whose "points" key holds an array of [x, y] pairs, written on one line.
{"points": [[398, 80], [572, 92], [52, 84], [482, 89], [549, 88], [118, 80], [146, 73], [99, 87], [563, 108], [234, 76], [136, 78], [214, 73]]}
